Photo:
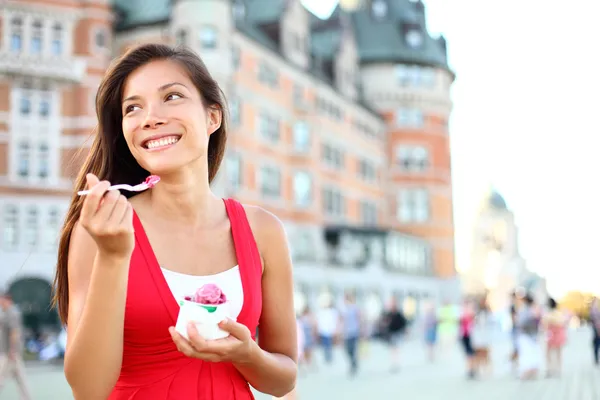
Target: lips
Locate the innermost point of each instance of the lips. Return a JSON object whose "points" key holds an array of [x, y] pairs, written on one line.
{"points": [[158, 141]]}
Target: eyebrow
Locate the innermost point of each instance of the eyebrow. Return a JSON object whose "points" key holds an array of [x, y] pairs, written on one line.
{"points": [[160, 89]]}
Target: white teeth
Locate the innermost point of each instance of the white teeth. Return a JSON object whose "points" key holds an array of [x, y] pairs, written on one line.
{"points": [[152, 144]]}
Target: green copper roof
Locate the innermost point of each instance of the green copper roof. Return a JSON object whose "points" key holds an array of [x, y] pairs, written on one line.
{"points": [[383, 40], [133, 13]]}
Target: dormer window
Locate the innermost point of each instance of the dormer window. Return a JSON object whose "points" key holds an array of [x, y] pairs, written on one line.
{"points": [[379, 8], [238, 10], [414, 38]]}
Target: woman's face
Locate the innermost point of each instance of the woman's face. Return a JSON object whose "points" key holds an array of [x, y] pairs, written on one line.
{"points": [[165, 124]]}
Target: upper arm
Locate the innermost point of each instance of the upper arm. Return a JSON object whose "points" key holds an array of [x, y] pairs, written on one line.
{"points": [[278, 321], [82, 251]]}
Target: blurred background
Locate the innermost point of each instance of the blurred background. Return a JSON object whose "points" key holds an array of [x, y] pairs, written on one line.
{"points": [[420, 153]]}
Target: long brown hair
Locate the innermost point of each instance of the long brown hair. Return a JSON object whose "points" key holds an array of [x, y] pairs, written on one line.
{"points": [[109, 157]]}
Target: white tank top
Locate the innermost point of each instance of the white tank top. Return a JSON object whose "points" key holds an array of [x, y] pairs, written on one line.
{"points": [[229, 281]]}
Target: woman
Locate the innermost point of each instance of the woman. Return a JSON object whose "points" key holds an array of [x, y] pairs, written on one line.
{"points": [[555, 324], [430, 327], [483, 330], [466, 321], [123, 262], [528, 321]]}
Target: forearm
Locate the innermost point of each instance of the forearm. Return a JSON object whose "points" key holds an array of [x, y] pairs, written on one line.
{"points": [[273, 374], [97, 344]]}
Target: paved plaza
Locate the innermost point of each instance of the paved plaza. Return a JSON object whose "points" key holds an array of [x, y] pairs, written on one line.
{"points": [[418, 379]]}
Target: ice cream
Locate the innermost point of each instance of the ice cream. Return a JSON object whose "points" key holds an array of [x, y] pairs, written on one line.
{"points": [[152, 180], [205, 308], [209, 294]]}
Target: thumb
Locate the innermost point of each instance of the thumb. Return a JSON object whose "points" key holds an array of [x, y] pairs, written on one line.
{"points": [[236, 329], [92, 180]]}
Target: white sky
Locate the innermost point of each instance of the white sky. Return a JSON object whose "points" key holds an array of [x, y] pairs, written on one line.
{"points": [[523, 120]]}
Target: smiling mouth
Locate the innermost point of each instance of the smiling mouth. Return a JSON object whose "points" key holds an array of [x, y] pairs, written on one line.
{"points": [[154, 144]]}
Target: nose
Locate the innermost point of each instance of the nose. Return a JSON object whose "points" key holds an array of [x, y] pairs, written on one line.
{"points": [[154, 118]]}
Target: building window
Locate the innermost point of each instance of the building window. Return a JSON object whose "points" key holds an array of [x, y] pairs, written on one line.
{"points": [[368, 213], [267, 74], [270, 181], [334, 203], [31, 227], [235, 57], [409, 117], [52, 229], [302, 189], [11, 227], [44, 107], [298, 95], [36, 38], [234, 171], [24, 159], [101, 39], [413, 158], [414, 38], [208, 37], [268, 127], [43, 161], [235, 111], [367, 171], [379, 8], [57, 39], [181, 38], [16, 36], [25, 105], [413, 205], [333, 156], [239, 10], [301, 137]]}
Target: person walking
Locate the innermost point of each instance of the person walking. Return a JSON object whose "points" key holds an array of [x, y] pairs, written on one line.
{"points": [[595, 321], [328, 326], [528, 322], [430, 330], [394, 325], [11, 346], [352, 327], [555, 325]]}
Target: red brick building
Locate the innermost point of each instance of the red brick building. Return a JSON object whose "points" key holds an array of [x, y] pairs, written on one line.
{"points": [[340, 127]]}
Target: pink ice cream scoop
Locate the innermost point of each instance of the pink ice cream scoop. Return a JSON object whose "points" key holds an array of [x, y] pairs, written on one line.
{"points": [[208, 294], [152, 180]]}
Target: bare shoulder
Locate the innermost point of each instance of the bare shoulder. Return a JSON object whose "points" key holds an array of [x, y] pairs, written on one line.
{"points": [[268, 230], [263, 222]]}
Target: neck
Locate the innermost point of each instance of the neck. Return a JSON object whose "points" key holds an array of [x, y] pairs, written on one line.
{"points": [[184, 197]]}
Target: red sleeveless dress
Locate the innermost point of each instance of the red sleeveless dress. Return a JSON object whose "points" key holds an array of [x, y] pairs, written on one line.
{"points": [[152, 367]]}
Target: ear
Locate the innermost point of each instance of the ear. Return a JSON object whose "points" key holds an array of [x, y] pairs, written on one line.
{"points": [[214, 118]]}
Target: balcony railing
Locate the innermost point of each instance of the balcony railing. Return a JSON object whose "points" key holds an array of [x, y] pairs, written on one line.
{"points": [[65, 68]]}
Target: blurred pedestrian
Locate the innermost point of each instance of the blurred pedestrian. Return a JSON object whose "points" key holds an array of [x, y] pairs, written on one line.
{"points": [[595, 322], [11, 346], [352, 328], [466, 324], [394, 324], [555, 324], [528, 322], [328, 327], [483, 330], [430, 330]]}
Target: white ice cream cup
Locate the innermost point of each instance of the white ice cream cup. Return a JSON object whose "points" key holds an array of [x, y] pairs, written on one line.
{"points": [[206, 317]]}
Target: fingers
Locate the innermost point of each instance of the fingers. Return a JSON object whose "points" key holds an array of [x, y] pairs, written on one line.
{"points": [[186, 347], [237, 330], [93, 199], [109, 202]]}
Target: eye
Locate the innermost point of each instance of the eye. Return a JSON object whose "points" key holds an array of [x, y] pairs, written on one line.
{"points": [[131, 108], [173, 96]]}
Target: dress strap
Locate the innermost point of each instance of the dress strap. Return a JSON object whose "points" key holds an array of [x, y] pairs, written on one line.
{"points": [[249, 262]]}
